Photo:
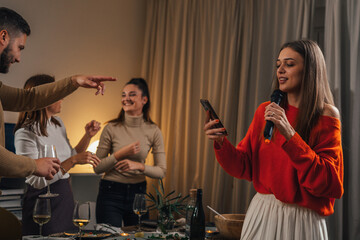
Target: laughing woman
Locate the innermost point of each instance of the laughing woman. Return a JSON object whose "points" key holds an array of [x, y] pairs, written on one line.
{"points": [[124, 145], [299, 174]]}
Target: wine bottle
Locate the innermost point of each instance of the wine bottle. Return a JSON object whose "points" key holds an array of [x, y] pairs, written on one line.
{"points": [[189, 211], [197, 227]]}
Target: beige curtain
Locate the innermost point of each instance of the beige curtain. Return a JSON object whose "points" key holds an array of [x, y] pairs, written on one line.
{"points": [[224, 51], [342, 54]]}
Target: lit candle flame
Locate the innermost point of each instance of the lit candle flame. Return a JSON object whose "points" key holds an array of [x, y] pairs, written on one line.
{"points": [[124, 234]]}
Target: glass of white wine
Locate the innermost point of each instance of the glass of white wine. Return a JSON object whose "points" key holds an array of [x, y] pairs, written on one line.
{"points": [[42, 212], [139, 207], [48, 151], [81, 216]]}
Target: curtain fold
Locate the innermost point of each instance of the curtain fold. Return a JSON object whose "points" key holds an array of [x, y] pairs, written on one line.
{"points": [[342, 54], [224, 51]]}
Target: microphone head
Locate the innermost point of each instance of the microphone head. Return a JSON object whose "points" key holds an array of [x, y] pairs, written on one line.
{"points": [[277, 96]]}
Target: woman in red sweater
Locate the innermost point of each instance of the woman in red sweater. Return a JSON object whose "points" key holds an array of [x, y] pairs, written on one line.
{"points": [[298, 174]]}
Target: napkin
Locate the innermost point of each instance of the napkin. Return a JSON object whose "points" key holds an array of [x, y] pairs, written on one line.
{"points": [[108, 228], [180, 222]]}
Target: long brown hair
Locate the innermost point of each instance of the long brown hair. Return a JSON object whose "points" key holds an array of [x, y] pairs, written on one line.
{"points": [[314, 90], [36, 121], [142, 85]]}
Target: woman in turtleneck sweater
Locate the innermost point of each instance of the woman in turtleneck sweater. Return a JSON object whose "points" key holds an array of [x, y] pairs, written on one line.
{"points": [[124, 145]]}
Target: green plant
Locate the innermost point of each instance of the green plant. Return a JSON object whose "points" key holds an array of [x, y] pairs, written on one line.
{"points": [[166, 205]]}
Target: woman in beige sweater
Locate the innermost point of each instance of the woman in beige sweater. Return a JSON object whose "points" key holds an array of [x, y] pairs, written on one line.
{"points": [[124, 145]]}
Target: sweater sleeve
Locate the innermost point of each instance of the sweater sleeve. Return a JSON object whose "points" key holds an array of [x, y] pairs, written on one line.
{"points": [[158, 150], [26, 145], [12, 165], [104, 149], [237, 161], [320, 167], [21, 100]]}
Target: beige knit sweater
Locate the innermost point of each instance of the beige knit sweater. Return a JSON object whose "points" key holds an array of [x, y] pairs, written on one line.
{"points": [[114, 137]]}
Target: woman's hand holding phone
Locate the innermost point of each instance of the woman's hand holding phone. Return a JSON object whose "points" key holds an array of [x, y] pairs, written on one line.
{"points": [[213, 127], [215, 134]]}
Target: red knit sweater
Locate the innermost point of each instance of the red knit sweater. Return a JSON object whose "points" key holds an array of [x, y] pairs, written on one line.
{"points": [[310, 175]]}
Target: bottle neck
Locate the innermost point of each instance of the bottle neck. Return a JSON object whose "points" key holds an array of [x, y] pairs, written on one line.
{"points": [[199, 196]]}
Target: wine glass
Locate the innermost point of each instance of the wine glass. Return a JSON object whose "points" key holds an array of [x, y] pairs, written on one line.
{"points": [[48, 151], [42, 212], [139, 207], [81, 216]]}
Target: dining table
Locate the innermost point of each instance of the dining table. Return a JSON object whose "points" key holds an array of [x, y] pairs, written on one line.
{"points": [[128, 233]]}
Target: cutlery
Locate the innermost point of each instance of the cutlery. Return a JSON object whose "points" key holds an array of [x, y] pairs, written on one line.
{"points": [[216, 212]]}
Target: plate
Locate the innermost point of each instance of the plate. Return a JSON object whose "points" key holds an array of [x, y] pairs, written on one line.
{"points": [[85, 234]]}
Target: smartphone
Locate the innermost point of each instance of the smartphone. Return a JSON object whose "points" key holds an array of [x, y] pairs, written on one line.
{"points": [[207, 106]]}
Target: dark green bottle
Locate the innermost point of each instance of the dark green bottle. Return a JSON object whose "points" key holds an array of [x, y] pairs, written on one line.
{"points": [[197, 227]]}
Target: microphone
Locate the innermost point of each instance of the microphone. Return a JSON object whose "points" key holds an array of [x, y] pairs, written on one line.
{"points": [[276, 97]]}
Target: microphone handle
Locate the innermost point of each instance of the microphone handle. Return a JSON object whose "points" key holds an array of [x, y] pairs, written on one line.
{"points": [[269, 127], [276, 97], [268, 131]]}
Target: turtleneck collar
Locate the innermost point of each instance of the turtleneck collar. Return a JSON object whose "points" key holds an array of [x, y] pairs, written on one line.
{"points": [[133, 121]]}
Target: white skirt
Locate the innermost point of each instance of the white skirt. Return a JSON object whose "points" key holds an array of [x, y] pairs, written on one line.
{"points": [[270, 219]]}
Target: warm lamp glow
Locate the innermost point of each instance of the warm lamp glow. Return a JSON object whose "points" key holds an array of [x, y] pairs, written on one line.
{"points": [[86, 168], [93, 147]]}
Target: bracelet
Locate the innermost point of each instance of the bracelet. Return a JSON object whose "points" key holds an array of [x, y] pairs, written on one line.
{"points": [[63, 169]]}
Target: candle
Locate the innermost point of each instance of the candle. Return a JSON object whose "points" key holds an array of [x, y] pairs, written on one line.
{"points": [[209, 231], [124, 234]]}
